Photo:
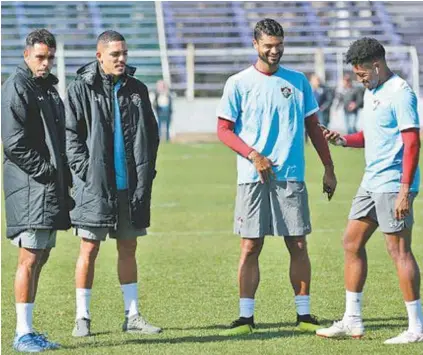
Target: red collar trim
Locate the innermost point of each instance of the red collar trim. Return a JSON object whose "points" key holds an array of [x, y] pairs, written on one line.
{"points": [[262, 72]]}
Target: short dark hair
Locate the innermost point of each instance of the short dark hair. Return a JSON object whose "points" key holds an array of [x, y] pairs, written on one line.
{"points": [[364, 50], [268, 27], [110, 36], [41, 36]]}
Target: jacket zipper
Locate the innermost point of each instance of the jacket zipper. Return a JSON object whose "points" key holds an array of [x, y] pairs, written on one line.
{"points": [[112, 106], [126, 159]]}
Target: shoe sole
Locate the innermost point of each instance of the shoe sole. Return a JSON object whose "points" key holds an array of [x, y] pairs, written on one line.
{"points": [[340, 336], [409, 342], [29, 351], [76, 335], [242, 330], [136, 331], [53, 348]]}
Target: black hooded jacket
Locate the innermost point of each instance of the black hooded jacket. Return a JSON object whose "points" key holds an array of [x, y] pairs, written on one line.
{"points": [[90, 143], [36, 176]]}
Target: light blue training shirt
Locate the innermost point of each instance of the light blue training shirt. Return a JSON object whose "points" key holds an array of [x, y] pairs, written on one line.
{"points": [[119, 145], [388, 109], [269, 112]]}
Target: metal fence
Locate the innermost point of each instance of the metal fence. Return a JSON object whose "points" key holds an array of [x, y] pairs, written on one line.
{"points": [[202, 72]]}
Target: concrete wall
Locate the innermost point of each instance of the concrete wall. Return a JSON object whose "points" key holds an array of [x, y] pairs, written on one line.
{"points": [[198, 116]]}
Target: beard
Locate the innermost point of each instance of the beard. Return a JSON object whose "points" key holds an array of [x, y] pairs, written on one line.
{"points": [[265, 59]]}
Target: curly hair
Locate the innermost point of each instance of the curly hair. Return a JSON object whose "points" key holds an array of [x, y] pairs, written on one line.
{"points": [[364, 50], [40, 36], [269, 27]]}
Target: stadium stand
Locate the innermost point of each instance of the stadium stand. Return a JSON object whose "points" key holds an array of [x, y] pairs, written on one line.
{"points": [[307, 24], [78, 24], [406, 17], [213, 25]]}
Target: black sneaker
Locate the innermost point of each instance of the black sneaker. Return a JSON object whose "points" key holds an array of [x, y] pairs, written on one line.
{"points": [[241, 326], [307, 323]]}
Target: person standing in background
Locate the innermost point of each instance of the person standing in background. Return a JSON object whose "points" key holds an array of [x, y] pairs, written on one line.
{"points": [[351, 97], [324, 97], [162, 104]]}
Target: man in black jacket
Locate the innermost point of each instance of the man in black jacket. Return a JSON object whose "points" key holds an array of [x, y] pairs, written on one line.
{"points": [[35, 175], [112, 142]]}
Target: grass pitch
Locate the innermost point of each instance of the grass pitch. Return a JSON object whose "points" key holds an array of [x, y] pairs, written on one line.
{"points": [[188, 264]]}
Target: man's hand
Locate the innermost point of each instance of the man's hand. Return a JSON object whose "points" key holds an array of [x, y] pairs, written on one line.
{"points": [[329, 181], [352, 106], [333, 137], [263, 166], [402, 203]]}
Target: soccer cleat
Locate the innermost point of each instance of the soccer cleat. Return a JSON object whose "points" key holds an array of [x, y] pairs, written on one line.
{"points": [[342, 329], [45, 343], [28, 343], [307, 323], [137, 324], [82, 328], [405, 338], [241, 326]]}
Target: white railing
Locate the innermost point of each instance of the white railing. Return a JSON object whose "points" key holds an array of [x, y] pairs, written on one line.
{"points": [[162, 42], [191, 54]]}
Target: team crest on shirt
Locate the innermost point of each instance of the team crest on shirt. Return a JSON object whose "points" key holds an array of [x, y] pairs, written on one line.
{"points": [[136, 99], [286, 92], [376, 103]]}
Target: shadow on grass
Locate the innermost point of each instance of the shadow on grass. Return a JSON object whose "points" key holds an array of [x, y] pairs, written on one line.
{"points": [[189, 339], [102, 333], [259, 326], [404, 319], [225, 326], [259, 335], [386, 323]]}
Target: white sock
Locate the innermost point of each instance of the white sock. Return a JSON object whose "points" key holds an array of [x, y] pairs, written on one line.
{"points": [[130, 299], [415, 316], [353, 306], [24, 318], [246, 307], [302, 303], [83, 298]]}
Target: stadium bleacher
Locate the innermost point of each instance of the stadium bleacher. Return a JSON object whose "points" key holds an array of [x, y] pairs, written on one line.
{"points": [[212, 25], [406, 17], [78, 24], [307, 24]]}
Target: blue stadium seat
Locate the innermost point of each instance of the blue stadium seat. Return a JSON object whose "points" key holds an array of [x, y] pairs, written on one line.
{"points": [[78, 24]]}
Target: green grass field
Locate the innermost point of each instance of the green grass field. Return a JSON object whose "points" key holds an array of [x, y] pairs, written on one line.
{"points": [[188, 265]]}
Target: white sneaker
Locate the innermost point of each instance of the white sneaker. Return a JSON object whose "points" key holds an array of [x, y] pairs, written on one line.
{"points": [[342, 329], [405, 338]]}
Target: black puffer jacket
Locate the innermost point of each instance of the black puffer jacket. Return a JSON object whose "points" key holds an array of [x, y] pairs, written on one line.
{"points": [[35, 172], [89, 133]]}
